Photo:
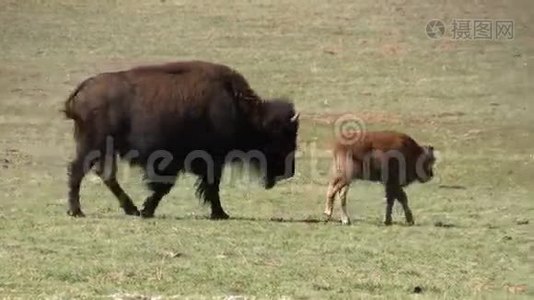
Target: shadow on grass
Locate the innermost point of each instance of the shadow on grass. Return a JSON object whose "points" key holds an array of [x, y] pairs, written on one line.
{"points": [[307, 220], [253, 219], [207, 218], [355, 222], [452, 187]]}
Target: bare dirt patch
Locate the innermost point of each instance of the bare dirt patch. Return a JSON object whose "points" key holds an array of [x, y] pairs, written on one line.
{"points": [[366, 117], [119, 64], [381, 117], [393, 49], [445, 45], [10, 158]]}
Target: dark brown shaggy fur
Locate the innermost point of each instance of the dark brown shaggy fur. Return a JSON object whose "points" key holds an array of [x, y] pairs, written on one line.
{"points": [[180, 108]]}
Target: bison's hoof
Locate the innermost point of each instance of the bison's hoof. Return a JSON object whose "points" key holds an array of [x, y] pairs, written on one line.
{"points": [[388, 222], [77, 213], [147, 214], [410, 223], [327, 216], [219, 216], [132, 211]]}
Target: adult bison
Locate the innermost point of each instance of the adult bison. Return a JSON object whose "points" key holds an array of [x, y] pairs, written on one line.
{"points": [[190, 116], [391, 158]]}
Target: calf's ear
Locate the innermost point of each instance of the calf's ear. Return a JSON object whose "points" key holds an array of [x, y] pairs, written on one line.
{"points": [[430, 151]]}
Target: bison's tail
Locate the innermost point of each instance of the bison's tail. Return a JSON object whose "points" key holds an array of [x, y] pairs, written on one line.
{"points": [[68, 109]]}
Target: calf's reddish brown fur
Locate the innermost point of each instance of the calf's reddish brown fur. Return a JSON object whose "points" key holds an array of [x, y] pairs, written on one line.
{"points": [[391, 158]]}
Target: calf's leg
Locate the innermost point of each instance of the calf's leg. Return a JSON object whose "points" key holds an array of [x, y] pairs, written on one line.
{"points": [[344, 171], [391, 195], [334, 187], [389, 209], [403, 199], [329, 203], [345, 220]]}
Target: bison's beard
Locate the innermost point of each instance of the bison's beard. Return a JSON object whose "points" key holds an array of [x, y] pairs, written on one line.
{"points": [[279, 170]]}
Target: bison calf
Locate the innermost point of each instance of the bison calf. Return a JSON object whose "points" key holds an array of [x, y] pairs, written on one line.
{"points": [[389, 157]]}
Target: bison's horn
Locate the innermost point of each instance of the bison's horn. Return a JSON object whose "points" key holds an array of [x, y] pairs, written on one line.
{"points": [[295, 117]]}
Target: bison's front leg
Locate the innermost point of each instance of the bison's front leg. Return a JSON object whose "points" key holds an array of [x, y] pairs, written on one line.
{"points": [[217, 212], [209, 189]]}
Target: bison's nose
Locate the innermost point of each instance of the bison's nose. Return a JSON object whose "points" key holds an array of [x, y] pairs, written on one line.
{"points": [[269, 183]]}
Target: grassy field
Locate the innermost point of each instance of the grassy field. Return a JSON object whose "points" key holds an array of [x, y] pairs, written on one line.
{"points": [[471, 99]]}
